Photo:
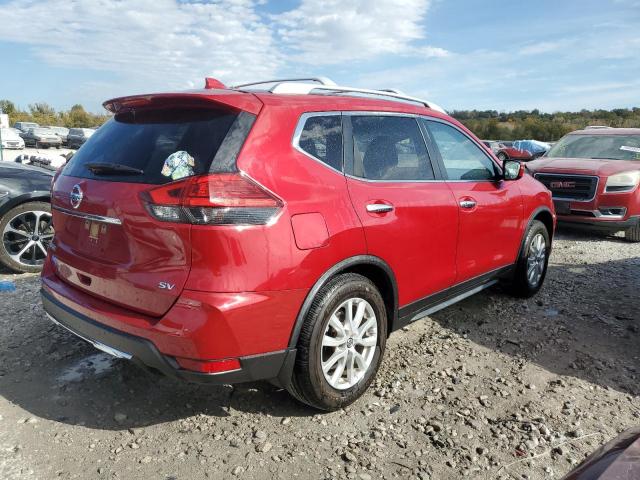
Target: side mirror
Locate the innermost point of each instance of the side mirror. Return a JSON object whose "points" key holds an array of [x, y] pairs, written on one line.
{"points": [[513, 170]]}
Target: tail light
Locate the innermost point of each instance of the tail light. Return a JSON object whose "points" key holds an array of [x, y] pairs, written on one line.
{"points": [[218, 199]]}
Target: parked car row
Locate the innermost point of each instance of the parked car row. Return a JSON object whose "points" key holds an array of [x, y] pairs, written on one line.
{"points": [[521, 150], [33, 135]]}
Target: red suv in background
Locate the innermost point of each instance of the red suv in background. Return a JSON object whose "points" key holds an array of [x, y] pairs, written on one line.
{"points": [[593, 175], [235, 234]]}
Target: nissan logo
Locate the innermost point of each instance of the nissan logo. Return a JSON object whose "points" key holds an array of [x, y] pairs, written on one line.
{"points": [[76, 196], [566, 184]]}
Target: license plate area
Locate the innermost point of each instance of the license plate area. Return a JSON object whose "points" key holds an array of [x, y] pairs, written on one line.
{"points": [[562, 207]]}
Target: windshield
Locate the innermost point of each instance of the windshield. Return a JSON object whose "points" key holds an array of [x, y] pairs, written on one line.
{"points": [[614, 147]]}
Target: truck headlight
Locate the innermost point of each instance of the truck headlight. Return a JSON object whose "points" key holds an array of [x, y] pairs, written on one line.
{"points": [[622, 182]]}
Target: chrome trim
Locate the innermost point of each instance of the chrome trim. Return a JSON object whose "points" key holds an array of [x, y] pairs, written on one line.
{"points": [[379, 208], [467, 204], [297, 133], [291, 87], [89, 216], [599, 214], [100, 346], [303, 118], [456, 299], [595, 191], [320, 80]]}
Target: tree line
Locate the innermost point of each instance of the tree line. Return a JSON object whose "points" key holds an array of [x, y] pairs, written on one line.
{"points": [[486, 124], [45, 114], [524, 124]]}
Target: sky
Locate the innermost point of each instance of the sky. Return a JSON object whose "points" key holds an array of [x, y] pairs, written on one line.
{"points": [[506, 55]]}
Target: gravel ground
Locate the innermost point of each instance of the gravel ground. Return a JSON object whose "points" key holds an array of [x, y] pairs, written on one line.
{"points": [[475, 391]]}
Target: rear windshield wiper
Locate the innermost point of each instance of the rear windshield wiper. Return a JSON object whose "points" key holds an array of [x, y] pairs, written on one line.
{"points": [[101, 168]]}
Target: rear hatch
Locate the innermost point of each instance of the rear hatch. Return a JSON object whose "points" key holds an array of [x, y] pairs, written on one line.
{"points": [[107, 243]]}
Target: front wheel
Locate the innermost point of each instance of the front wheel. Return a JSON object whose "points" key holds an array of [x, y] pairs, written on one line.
{"points": [[531, 267], [632, 234], [341, 343]]}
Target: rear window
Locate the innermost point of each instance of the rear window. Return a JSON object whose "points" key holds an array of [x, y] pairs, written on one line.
{"points": [[165, 144]]}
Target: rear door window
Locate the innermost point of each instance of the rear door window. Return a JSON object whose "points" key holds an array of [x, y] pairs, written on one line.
{"points": [[166, 144], [389, 147], [321, 138]]}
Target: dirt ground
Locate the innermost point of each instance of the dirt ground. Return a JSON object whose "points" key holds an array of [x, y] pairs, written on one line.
{"points": [[475, 391]]}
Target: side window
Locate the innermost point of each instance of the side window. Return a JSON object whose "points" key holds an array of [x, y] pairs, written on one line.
{"points": [[389, 147], [462, 158], [321, 137]]}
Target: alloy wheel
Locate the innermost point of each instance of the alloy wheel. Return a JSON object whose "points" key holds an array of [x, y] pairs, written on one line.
{"points": [[536, 260], [349, 343], [26, 237]]}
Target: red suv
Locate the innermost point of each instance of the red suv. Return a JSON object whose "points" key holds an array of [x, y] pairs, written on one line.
{"points": [[593, 175], [235, 234]]}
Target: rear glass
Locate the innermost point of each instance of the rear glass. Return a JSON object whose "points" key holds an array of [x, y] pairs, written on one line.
{"points": [[165, 144]]}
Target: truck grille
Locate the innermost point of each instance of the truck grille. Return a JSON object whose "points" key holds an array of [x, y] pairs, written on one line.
{"points": [[581, 188]]}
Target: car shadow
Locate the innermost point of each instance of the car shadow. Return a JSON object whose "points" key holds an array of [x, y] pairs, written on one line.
{"points": [[584, 322], [52, 374]]}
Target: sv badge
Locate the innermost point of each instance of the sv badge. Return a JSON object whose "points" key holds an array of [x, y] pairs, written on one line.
{"points": [[166, 285]]}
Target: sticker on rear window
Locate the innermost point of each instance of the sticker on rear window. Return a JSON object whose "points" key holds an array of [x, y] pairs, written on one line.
{"points": [[630, 149], [178, 165]]}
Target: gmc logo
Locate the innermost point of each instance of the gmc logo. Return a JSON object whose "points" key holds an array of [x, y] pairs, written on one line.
{"points": [[567, 184]]}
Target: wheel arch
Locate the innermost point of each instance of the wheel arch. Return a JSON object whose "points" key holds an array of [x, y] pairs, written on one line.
{"points": [[369, 266], [36, 196], [544, 215]]}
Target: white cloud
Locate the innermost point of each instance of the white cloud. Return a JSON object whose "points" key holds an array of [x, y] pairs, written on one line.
{"points": [[150, 44], [328, 32], [541, 47]]}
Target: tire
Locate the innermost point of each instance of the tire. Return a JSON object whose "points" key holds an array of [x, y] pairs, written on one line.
{"points": [[502, 156], [309, 383], [632, 234], [522, 284], [24, 216]]}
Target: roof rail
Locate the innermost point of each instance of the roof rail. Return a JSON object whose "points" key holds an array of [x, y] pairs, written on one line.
{"points": [[320, 80], [596, 127], [325, 85]]}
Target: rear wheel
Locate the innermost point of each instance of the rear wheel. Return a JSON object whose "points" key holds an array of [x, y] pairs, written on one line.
{"points": [[341, 343], [26, 233], [531, 267], [632, 234]]}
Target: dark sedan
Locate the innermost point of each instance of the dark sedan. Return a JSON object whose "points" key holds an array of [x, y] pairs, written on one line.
{"points": [[77, 136], [41, 138], [25, 216]]}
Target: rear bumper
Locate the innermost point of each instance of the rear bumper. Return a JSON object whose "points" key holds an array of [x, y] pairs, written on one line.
{"points": [[266, 366]]}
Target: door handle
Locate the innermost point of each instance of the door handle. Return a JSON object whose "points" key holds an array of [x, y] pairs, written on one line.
{"points": [[467, 203], [379, 208]]}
